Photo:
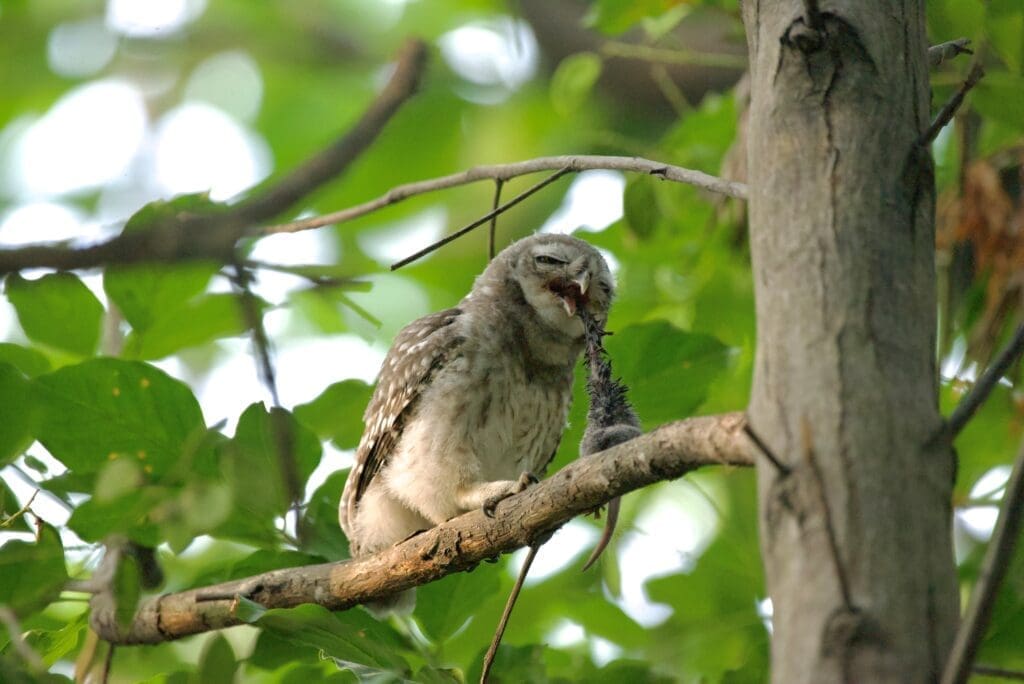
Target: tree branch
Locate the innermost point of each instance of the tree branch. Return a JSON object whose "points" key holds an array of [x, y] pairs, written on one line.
{"points": [[504, 172], [948, 110], [213, 235], [970, 404], [457, 545], [993, 570], [937, 54]]}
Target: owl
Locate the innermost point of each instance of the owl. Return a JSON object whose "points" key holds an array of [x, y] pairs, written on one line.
{"points": [[471, 402]]}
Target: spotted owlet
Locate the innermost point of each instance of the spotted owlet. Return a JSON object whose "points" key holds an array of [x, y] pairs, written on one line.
{"points": [[471, 402]]}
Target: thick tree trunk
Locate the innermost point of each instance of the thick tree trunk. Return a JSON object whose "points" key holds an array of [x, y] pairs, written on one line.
{"points": [[855, 528]]}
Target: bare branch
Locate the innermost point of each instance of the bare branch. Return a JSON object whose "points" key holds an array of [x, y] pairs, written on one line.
{"points": [[13, 517], [937, 54], [504, 172], [970, 404], [948, 110], [213, 235], [993, 570], [663, 454], [480, 221], [494, 219], [492, 650]]}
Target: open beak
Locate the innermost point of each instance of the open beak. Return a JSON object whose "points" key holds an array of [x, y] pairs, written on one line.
{"points": [[573, 292]]}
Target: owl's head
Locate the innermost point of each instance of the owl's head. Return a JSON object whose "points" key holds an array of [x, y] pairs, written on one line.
{"points": [[559, 275]]}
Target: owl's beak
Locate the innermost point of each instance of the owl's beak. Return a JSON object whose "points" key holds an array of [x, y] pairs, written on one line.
{"points": [[583, 281]]}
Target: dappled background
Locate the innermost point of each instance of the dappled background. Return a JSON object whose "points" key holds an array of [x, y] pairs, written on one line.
{"points": [[108, 106]]}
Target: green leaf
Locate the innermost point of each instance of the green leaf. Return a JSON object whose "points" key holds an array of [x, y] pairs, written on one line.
{"points": [[32, 573], [217, 664], [19, 414], [640, 207], [1000, 95], [29, 361], [668, 370], [54, 645], [57, 310], [617, 16], [188, 325], [444, 607], [573, 80], [129, 515], [319, 531], [337, 414], [105, 409], [350, 637], [254, 467], [1004, 23]]}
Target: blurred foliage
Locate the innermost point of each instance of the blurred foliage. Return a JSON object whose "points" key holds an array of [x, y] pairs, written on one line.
{"points": [[141, 460]]}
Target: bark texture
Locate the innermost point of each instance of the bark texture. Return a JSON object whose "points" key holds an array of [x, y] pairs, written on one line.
{"points": [[855, 529]]}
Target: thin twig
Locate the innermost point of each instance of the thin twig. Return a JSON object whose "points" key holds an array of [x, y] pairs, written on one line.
{"points": [[937, 54], [763, 447], [107, 663], [190, 236], [9, 520], [983, 387], [482, 220], [993, 569], [491, 247], [826, 511], [280, 428], [505, 172], [492, 651], [948, 110], [990, 671]]}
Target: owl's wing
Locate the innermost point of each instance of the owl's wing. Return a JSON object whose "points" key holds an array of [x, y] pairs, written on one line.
{"points": [[420, 349]]}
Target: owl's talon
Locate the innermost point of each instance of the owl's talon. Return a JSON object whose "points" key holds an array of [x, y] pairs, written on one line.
{"points": [[525, 480]]}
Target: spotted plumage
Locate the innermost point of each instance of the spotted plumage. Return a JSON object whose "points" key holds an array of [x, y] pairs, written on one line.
{"points": [[471, 400]]}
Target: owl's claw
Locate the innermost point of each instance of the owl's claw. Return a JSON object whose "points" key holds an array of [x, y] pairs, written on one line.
{"points": [[524, 481]]}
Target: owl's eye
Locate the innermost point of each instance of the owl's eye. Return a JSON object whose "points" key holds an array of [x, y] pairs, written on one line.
{"points": [[549, 260]]}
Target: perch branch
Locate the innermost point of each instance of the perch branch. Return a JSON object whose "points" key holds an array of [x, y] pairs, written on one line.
{"points": [[457, 545], [504, 172], [993, 570], [970, 404], [213, 235]]}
